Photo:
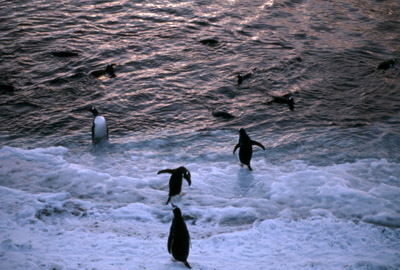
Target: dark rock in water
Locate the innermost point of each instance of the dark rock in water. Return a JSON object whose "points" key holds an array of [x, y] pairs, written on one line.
{"points": [[6, 88], [387, 64], [209, 42], [64, 54], [285, 99], [109, 70], [223, 114]]}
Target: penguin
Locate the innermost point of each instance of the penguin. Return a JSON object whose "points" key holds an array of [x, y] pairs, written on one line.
{"points": [[246, 149], [64, 54], [175, 182], [241, 77], [109, 70], [209, 42], [387, 64], [99, 127], [285, 99], [7, 88], [222, 114], [179, 238]]}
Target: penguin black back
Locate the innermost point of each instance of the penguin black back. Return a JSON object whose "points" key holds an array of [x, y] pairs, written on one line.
{"points": [[386, 64], [175, 182], [242, 77], [6, 88], [246, 148], [222, 114], [64, 54], [285, 99], [108, 70], [179, 238]]}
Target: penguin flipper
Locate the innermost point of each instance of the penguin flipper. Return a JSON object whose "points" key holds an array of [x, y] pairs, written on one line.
{"points": [[169, 198], [258, 144], [165, 171], [170, 238], [93, 139], [236, 147], [187, 265]]}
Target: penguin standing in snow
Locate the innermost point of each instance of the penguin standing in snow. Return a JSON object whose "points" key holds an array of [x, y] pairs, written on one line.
{"points": [[179, 238], [99, 127], [246, 149], [175, 182]]}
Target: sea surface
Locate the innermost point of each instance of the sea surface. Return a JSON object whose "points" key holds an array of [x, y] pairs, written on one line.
{"points": [[325, 193]]}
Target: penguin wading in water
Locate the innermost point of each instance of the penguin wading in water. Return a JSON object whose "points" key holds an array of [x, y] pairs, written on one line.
{"points": [[99, 127], [175, 182], [246, 148], [179, 238]]}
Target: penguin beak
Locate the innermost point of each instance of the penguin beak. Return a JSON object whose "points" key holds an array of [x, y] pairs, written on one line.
{"points": [[187, 177], [173, 206]]}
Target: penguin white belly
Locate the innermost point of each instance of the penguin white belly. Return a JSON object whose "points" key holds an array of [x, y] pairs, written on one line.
{"points": [[100, 127]]}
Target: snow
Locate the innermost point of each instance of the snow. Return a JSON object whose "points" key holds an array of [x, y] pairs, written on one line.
{"points": [[63, 210]]}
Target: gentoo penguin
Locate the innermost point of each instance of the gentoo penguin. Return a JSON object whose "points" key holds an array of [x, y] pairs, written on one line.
{"points": [[285, 99], [387, 64], [222, 114], [175, 182], [64, 54], [7, 88], [109, 70], [246, 149], [241, 77], [179, 238], [209, 42], [99, 127]]}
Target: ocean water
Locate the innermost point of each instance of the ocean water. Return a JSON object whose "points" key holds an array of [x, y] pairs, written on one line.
{"points": [[325, 193]]}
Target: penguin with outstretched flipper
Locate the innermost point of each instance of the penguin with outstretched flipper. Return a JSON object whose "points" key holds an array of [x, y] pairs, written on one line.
{"points": [[246, 148], [175, 182]]}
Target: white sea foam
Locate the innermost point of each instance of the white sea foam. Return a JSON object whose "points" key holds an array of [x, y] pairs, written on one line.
{"points": [[62, 210]]}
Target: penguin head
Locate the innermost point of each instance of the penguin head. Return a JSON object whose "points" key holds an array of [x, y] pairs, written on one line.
{"points": [[240, 78], [186, 174], [290, 102], [243, 135], [176, 210], [242, 132], [110, 70], [94, 111]]}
